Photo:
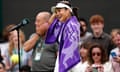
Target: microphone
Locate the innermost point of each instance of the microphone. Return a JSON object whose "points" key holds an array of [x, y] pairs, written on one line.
{"points": [[22, 23]]}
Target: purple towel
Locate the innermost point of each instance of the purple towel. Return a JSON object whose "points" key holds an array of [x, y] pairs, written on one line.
{"points": [[67, 35]]}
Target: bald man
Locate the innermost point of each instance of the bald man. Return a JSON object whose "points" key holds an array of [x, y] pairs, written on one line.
{"points": [[44, 55]]}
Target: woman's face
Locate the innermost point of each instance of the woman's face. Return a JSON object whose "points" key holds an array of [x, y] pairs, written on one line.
{"points": [[62, 14], [116, 39], [83, 52], [41, 25], [14, 37], [83, 25], [96, 54]]}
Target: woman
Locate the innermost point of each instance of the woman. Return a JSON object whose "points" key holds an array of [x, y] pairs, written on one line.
{"points": [[13, 51], [64, 29], [115, 58], [97, 60], [5, 46], [82, 65]]}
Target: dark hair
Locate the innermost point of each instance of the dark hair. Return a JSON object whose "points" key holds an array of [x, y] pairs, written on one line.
{"points": [[6, 32], [81, 28], [85, 45], [84, 20], [103, 53]]}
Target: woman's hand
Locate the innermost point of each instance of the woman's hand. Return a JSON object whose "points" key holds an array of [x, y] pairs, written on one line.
{"points": [[100, 68], [52, 18], [117, 59]]}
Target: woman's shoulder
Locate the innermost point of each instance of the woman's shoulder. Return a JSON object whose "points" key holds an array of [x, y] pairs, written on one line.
{"points": [[108, 67], [115, 49], [107, 64]]}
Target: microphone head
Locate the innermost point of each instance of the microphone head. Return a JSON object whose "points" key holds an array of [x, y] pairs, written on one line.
{"points": [[25, 21]]}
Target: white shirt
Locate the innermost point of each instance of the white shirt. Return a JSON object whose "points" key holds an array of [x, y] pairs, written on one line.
{"points": [[4, 50], [80, 67]]}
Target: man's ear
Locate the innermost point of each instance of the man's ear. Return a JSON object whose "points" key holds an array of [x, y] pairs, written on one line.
{"points": [[46, 25]]}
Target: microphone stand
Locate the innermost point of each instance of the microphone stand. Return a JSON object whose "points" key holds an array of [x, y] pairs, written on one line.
{"points": [[18, 47]]}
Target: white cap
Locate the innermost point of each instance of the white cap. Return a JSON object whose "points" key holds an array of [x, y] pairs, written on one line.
{"points": [[61, 5]]}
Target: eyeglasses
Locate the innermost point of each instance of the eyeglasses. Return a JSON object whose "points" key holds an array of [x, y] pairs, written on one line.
{"points": [[97, 53]]}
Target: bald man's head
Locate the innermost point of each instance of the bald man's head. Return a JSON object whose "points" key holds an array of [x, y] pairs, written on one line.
{"points": [[42, 22], [44, 15]]}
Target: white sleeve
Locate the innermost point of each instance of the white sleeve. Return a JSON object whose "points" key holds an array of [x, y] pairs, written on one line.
{"points": [[108, 67]]}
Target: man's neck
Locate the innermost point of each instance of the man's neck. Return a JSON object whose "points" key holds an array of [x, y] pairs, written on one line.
{"points": [[98, 34]]}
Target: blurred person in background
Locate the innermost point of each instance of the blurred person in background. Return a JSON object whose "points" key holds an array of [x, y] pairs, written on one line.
{"points": [[97, 59], [4, 46], [84, 34], [99, 36], [115, 53], [25, 57], [82, 65]]}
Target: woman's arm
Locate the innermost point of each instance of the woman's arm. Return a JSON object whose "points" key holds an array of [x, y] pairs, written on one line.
{"points": [[52, 18]]}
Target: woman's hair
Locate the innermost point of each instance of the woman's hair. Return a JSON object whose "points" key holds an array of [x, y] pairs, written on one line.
{"points": [[115, 31], [85, 45], [84, 20], [103, 53], [6, 32], [11, 44]]}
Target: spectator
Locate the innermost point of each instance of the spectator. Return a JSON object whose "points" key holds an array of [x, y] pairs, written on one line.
{"points": [[4, 46], [116, 58], [44, 55], [99, 36], [82, 65], [97, 59], [83, 34], [13, 50]]}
